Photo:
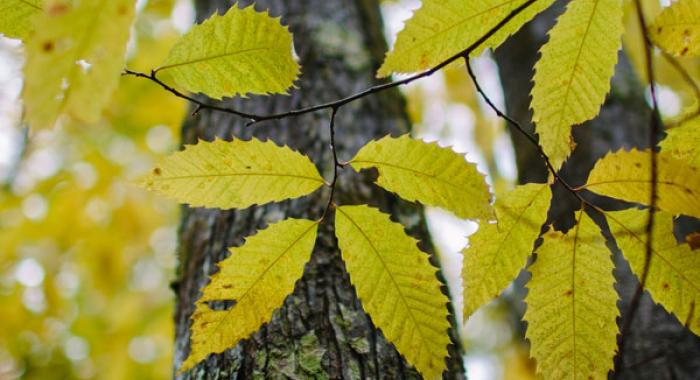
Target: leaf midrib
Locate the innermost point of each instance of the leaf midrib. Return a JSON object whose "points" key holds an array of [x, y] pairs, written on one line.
{"points": [[654, 251], [457, 24], [573, 70], [259, 278], [391, 276], [516, 223], [646, 181], [395, 166], [196, 176], [573, 288], [30, 4], [216, 56]]}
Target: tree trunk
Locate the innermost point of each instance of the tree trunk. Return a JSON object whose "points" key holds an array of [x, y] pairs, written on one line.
{"points": [[658, 346], [321, 330]]}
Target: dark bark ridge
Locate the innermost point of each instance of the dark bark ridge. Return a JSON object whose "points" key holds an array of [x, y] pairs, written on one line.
{"points": [[321, 330]]}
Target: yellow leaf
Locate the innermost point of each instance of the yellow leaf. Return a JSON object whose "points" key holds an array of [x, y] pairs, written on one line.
{"points": [[572, 305], [17, 17], [258, 277], [572, 77], [442, 28], [234, 174], [242, 52], [627, 176], [682, 142], [74, 59], [673, 279], [677, 28], [397, 286], [427, 173], [497, 252]]}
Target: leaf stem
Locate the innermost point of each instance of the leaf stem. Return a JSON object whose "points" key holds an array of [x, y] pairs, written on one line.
{"points": [[336, 163], [522, 130], [254, 118]]}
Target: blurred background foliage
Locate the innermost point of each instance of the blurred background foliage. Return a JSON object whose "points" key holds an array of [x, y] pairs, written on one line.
{"points": [[86, 257]]}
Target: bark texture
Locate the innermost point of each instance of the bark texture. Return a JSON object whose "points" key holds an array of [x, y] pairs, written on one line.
{"points": [[321, 332], [658, 346]]}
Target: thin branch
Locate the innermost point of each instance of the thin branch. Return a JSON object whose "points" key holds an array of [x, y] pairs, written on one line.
{"points": [[200, 105], [340, 102], [336, 163], [522, 130], [655, 128]]}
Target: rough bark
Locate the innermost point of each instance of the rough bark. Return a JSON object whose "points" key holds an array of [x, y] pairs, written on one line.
{"points": [[321, 331], [658, 346]]}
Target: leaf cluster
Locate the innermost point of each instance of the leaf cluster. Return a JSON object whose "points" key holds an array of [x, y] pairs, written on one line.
{"points": [[73, 65]]}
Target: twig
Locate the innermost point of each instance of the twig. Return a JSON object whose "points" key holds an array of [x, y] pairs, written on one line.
{"points": [[340, 102], [522, 130], [200, 105], [655, 129], [336, 163]]}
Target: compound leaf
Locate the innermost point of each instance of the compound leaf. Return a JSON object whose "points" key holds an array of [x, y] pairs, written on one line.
{"points": [[443, 28], [397, 285], [17, 17], [677, 28], [234, 174], [673, 279], [427, 173], [571, 305], [572, 77], [242, 52], [497, 252], [257, 277], [627, 176], [74, 59]]}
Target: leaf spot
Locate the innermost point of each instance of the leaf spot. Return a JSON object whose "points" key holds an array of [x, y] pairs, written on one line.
{"points": [[693, 240], [58, 9], [47, 47]]}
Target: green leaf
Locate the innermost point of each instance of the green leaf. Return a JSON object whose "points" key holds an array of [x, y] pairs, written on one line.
{"points": [[442, 28], [681, 142], [677, 28], [17, 17], [242, 52], [572, 77], [427, 173], [572, 305], [74, 59], [673, 279], [236, 174], [397, 286], [258, 277], [497, 252], [627, 176]]}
